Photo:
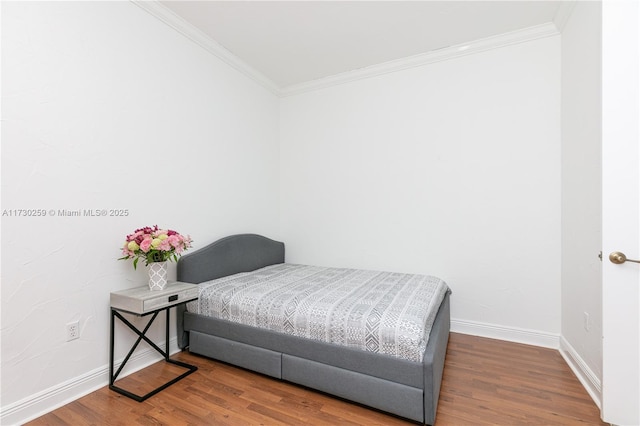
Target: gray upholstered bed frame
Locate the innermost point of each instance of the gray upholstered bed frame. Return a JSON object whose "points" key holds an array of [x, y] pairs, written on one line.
{"points": [[404, 388]]}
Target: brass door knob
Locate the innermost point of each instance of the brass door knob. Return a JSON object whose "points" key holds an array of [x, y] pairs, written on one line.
{"points": [[619, 258]]}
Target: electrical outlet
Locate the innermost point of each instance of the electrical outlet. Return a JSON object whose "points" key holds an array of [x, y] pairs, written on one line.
{"points": [[73, 331], [585, 319]]}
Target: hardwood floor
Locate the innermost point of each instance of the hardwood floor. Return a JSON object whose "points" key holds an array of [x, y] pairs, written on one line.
{"points": [[486, 382]]}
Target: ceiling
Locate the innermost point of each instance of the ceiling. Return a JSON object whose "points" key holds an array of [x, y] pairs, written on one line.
{"points": [[294, 42]]}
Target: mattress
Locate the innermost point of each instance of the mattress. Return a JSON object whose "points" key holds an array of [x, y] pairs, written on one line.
{"points": [[382, 312]]}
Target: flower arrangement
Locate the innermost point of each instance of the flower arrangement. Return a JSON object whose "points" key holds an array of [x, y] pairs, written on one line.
{"points": [[154, 245]]}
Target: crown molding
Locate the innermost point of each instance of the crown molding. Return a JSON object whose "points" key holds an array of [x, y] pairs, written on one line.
{"points": [[451, 52], [166, 15]]}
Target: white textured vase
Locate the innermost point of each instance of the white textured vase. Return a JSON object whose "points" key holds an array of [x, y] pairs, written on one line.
{"points": [[157, 275]]}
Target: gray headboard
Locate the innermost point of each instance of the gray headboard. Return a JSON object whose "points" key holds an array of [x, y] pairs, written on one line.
{"points": [[228, 256]]}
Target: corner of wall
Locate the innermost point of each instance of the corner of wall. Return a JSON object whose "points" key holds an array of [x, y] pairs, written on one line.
{"points": [[563, 13], [582, 371]]}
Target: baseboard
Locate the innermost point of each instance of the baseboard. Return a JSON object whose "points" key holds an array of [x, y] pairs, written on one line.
{"points": [[589, 380], [510, 334], [48, 400]]}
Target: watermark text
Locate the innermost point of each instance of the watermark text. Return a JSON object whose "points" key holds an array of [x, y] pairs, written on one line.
{"points": [[81, 212]]}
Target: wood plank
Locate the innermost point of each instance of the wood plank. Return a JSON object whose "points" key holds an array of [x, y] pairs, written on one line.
{"points": [[486, 382]]}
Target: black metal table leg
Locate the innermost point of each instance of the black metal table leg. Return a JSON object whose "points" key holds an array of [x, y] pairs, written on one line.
{"points": [[142, 336]]}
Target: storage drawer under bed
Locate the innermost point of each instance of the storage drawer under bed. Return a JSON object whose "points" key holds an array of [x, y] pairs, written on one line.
{"points": [[406, 401]]}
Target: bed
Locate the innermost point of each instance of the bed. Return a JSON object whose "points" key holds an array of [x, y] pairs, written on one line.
{"points": [[406, 387]]}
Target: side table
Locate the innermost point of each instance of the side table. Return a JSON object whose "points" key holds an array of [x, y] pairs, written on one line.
{"points": [[140, 301]]}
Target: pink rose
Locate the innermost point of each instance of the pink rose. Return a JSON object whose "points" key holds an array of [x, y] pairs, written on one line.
{"points": [[174, 240], [145, 245]]}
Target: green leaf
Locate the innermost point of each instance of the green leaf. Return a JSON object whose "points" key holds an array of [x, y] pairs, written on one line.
{"points": [[135, 262]]}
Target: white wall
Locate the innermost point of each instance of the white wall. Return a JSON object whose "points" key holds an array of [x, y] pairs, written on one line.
{"points": [[105, 107], [451, 169], [582, 188]]}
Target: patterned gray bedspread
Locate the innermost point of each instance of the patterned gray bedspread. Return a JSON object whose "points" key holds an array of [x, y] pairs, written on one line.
{"points": [[384, 312]]}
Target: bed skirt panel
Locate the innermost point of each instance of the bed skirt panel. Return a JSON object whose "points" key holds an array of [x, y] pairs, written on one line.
{"points": [[388, 396], [246, 356]]}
